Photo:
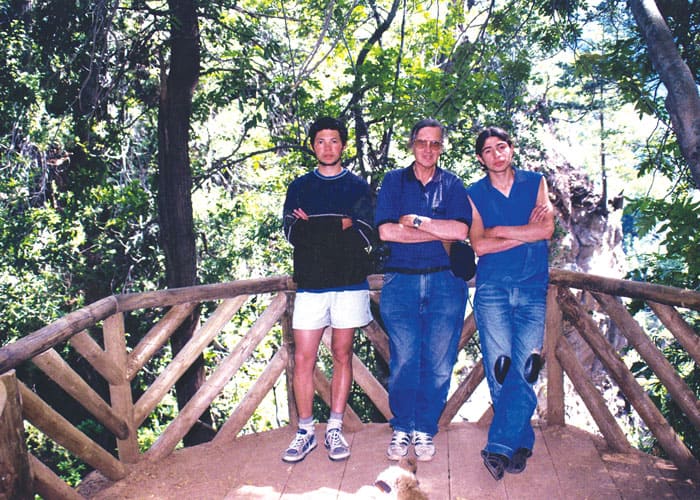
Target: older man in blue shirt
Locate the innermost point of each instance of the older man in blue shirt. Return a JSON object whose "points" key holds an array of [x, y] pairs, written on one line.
{"points": [[419, 209]]}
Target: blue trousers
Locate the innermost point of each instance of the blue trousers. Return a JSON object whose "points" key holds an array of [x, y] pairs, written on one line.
{"points": [[423, 314], [510, 321]]}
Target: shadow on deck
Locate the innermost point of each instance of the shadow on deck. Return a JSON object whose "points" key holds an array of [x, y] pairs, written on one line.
{"points": [[567, 463]]}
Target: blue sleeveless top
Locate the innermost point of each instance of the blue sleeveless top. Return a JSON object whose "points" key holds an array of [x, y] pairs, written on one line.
{"points": [[526, 264]]}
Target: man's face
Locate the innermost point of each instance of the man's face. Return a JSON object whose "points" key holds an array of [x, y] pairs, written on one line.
{"points": [[496, 155], [328, 147], [427, 147]]}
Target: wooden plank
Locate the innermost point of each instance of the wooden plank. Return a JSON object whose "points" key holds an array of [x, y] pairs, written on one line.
{"points": [[433, 474], [307, 482], [578, 465], [635, 475], [540, 479], [468, 478], [367, 460], [15, 473]]}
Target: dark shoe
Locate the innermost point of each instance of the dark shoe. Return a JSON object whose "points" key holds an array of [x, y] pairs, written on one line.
{"points": [[519, 461], [495, 463]]}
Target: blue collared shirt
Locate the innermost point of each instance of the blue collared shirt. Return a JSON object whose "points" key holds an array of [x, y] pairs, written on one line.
{"points": [[444, 197]]}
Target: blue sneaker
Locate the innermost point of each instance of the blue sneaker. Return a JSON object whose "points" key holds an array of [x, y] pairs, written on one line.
{"points": [[303, 443]]}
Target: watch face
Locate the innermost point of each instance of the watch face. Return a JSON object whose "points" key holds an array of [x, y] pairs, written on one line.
{"points": [[417, 222]]}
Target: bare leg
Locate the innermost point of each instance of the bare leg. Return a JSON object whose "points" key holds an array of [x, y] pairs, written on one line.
{"points": [[305, 352], [341, 348]]}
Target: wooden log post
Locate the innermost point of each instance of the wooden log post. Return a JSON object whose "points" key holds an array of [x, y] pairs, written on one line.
{"points": [[677, 388], [15, 472], [555, 375], [288, 342], [120, 394], [379, 339], [651, 415]]}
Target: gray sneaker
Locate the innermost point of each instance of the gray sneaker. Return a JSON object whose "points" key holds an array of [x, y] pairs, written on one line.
{"points": [[398, 447], [303, 443], [338, 448], [423, 446]]}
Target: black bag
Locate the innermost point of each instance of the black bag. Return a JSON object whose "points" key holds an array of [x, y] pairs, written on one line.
{"points": [[462, 260]]}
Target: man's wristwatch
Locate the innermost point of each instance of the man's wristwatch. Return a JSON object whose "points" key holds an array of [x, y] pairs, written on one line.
{"points": [[417, 221]]}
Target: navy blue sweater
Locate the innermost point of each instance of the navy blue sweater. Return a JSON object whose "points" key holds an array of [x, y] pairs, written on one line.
{"points": [[326, 257]]}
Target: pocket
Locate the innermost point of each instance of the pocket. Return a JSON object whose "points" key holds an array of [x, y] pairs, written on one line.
{"points": [[388, 278]]}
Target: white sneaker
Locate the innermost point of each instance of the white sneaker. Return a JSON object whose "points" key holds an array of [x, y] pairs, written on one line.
{"points": [[423, 446], [398, 447], [303, 443], [336, 444]]}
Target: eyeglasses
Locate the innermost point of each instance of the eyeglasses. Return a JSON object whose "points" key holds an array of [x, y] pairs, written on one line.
{"points": [[422, 144]]}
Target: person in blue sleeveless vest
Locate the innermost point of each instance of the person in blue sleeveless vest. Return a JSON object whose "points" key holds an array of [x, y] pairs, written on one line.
{"points": [[328, 220], [513, 220], [422, 302]]}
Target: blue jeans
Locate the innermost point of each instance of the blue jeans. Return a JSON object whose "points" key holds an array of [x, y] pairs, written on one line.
{"points": [[423, 315], [510, 321]]}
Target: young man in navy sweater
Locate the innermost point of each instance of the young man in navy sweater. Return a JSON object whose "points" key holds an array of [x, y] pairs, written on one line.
{"points": [[328, 220]]}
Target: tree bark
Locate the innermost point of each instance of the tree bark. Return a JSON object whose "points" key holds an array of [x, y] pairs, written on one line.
{"points": [[682, 101], [175, 186]]}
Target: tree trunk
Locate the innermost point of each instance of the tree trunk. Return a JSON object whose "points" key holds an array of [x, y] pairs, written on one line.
{"points": [[682, 101], [175, 186]]}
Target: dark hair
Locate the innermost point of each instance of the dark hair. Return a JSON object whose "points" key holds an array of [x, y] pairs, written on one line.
{"points": [[426, 122], [491, 132], [328, 123]]}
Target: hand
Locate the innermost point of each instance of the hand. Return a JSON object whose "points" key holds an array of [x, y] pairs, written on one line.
{"points": [[346, 222], [300, 214], [539, 213]]}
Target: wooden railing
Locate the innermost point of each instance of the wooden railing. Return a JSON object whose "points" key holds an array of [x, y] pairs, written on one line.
{"points": [[22, 474]]}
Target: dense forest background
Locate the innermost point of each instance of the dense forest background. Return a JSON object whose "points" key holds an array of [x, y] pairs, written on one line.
{"points": [[148, 144]]}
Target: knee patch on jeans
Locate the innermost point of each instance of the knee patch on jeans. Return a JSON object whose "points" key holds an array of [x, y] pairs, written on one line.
{"points": [[533, 365], [501, 368]]}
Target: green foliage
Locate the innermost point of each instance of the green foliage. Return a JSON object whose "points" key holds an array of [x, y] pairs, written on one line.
{"points": [[673, 255]]}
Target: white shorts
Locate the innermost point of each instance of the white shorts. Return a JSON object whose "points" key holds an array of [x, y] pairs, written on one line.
{"points": [[348, 309]]}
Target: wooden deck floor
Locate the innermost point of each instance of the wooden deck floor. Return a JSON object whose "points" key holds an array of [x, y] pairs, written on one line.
{"points": [[567, 463]]}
